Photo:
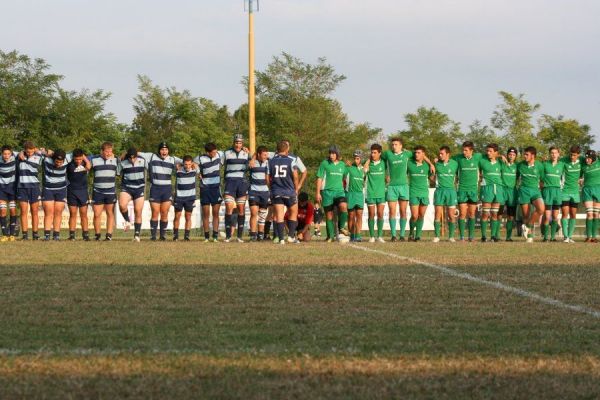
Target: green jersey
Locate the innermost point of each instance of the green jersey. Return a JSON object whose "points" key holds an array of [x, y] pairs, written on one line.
{"points": [[509, 175], [446, 174], [491, 172], [355, 178], [553, 174], [419, 178], [468, 171], [530, 175], [332, 173], [572, 173], [376, 180], [591, 174], [397, 166]]}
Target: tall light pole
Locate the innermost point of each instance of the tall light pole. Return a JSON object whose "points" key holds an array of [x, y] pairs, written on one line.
{"points": [[252, 6]]}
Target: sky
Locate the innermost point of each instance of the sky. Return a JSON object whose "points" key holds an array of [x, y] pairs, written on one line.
{"points": [[397, 55]]}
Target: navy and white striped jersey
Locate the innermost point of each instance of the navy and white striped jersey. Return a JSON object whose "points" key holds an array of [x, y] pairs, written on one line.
{"points": [[299, 164], [55, 177], [28, 170], [258, 177], [77, 176], [161, 169], [210, 169], [8, 171], [105, 174], [236, 164], [281, 170], [186, 184], [133, 174]]}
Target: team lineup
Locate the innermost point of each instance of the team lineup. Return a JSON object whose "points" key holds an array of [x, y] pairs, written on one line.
{"points": [[546, 192]]}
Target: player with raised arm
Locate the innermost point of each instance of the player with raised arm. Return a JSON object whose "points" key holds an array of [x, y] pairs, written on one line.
{"points": [[283, 182], [467, 196], [54, 191], [330, 192], [398, 194], [419, 171], [530, 173], [376, 172], [8, 193], [445, 197], [571, 196], [105, 168], [590, 195], [28, 188], [259, 195], [209, 165], [511, 194], [552, 193], [236, 186], [77, 193], [133, 186], [355, 178], [492, 192], [185, 196]]}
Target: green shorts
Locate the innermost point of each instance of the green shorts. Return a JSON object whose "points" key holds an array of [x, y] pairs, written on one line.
{"points": [[571, 197], [467, 196], [511, 196], [397, 192], [333, 197], [529, 195], [371, 201], [445, 197], [416, 200], [591, 193], [492, 194], [552, 196], [355, 200]]}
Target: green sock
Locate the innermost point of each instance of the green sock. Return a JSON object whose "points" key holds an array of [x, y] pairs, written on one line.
{"points": [[572, 222], [530, 227], [402, 226], [343, 220], [379, 227], [451, 227], [461, 228], [371, 227], [330, 230], [484, 226], [553, 229], [589, 226], [471, 222], [419, 224], [437, 228], [352, 236], [509, 228], [411, 227], [495, 229], [545, 230], [393, 226], [595, 224], [565, 223]]}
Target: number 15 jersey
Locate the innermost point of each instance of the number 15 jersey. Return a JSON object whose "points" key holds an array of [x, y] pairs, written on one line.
{"points": [[281, 173]]}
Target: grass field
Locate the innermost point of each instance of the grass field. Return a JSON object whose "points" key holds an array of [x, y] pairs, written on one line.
{"points": [[189, 320]]}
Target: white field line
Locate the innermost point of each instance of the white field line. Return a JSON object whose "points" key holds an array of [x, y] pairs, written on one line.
{"points": [[497, 285]]}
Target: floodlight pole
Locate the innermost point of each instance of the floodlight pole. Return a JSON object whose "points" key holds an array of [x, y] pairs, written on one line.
{"points": [[251, 87]]}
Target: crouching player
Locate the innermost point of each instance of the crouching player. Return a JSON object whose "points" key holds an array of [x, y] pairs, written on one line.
{"points": [[306, 214], [77, 193], [283, 181], [185, 196]]}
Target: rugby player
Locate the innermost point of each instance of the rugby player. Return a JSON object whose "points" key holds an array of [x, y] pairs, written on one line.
{"points": [[133, 185], [419, 172], [8, 193], [306, 213], [236, 186], [105, 169], [355, 178], [530, 173], [511, 195], [552, 193], [398, 194], [54, 191], [445, 197], [590, 195], [77, 193], [376, 172], [570, 192], [28, 188], [330, 192], [185, 196], [283, 181], [209, 165], [258, 195], [467, 196], [492, 192]]}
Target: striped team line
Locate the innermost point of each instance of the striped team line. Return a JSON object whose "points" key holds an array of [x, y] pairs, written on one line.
{"points": [[497, 285]]}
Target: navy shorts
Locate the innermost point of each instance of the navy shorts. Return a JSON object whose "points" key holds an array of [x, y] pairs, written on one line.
{"points": [[186, 204], [77, 197], [103, 198], [236, 188], [287, 201], [54, 195], [30, 195], [8, 193], [262, 200], [134, 193], [209, 196], [160, 194]]}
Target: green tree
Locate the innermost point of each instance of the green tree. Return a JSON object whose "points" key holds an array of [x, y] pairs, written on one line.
{"points": [[432, 129], [564, 133], [514, 117], [482, 135]]}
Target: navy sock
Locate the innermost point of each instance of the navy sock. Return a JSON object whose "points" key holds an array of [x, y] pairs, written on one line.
{"points": [[281, 228], [13, 225], [125, 215], [228, 218], [175, 233], [137, 229], [3, 225], [292, 225], [241, 220], [163, 228], [153, 227], [267, 228], [186, 234]]}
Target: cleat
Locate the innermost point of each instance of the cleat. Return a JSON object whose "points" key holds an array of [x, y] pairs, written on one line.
{"points": [[495, 240], [239, 240], [483, 240], [227, 240], [553, 240], [394, 239], [372, 240], [175, 239], [544, 240], [162, 239], [108, 239], [358, 240], [186, 239], [136, 239], [509, 240], [567, 240], [470, 240], [4, 239], [525, 231], [86, 239], [594, 240], [267, 238], [436, 240], [282, 242], [401, 238], [329, 240], [529, 240], [381, 240], [153, 238], [12, 238], [417, 239], [206, 240], [452, 240], [571, 240]]}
